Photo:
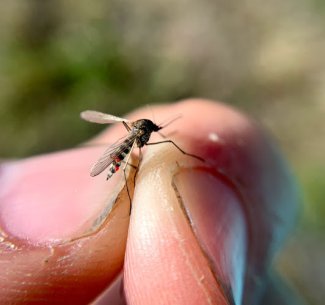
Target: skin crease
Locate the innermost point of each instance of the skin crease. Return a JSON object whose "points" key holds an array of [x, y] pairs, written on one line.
{"points": [[199, 232]]}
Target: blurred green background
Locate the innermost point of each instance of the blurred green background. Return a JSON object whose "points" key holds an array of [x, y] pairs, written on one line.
{"points": [[58, 58]]}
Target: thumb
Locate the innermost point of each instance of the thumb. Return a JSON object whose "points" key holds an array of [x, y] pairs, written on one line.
{"points": [[58, 245]]}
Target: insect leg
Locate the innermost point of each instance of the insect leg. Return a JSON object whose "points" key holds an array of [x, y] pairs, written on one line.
{"points": [[181, 150], [124, 172], [129, 164], [127, 188], [137, 170]]}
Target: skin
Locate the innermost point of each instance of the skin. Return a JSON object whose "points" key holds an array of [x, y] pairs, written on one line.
{"points": [[199, 232]]}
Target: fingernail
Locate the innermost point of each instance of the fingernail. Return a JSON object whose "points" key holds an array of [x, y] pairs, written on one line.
{"points": [[215, 214], [52, 198]]}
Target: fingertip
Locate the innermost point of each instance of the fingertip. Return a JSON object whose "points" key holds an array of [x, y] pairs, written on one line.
{"points": [[239, 154], [175, 250]]}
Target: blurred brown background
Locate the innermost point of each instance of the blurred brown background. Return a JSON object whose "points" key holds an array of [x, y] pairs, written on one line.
{"points": [[58, 58]]}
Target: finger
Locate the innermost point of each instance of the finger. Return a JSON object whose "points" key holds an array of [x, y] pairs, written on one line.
{"points": [[206, 233], [59, 243]]}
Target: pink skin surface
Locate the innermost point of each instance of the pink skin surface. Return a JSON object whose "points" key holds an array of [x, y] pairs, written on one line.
{"points": [[200, 232]]}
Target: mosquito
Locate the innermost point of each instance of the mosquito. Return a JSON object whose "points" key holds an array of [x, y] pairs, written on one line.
{"points": [[139, 133]]}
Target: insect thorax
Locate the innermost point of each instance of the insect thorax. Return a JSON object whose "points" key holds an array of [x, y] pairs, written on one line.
{"points": [[143, 129]]}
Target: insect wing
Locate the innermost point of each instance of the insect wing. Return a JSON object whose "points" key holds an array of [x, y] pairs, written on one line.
{"points": [[100, 118], [106, 159]]}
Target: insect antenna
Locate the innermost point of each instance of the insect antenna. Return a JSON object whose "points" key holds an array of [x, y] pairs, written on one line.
{"points": [[169, 121]]}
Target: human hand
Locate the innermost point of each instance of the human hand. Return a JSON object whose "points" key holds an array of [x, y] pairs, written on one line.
{"points": [[200, 233]]}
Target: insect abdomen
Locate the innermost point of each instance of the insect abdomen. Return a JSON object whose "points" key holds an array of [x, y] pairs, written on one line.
{"points": [[123, 154], [115, 165]]}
